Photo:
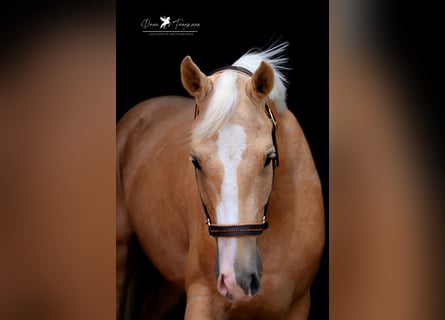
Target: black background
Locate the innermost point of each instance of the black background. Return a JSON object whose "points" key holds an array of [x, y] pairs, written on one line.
{"points": [[148, 66]]}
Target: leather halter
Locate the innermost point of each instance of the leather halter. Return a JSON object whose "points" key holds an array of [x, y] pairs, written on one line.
{"points": [[252, 229]]}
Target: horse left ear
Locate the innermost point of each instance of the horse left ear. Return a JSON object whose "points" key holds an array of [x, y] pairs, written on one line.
{"points": [[194, 81], [263, 80]]}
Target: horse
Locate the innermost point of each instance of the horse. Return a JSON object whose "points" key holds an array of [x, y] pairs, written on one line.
{"points": [[222, 193]]}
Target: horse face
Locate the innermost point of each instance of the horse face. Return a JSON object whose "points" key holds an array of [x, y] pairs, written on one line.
{"points": [[234, 173], [233, 161]]}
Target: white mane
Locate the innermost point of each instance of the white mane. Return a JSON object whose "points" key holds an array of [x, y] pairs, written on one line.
{"points": [[220, 107], [225, 94], [274, 56]]}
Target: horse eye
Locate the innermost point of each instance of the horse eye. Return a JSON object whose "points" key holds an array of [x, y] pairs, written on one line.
{"points": [[271, 156], [195, 162]]}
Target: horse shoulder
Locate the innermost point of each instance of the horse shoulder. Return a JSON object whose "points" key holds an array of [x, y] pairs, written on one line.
{"points": [[147, 148]]}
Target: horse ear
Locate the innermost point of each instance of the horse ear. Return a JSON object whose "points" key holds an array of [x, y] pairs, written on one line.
{"points": [[194, 81], [263, 80]]}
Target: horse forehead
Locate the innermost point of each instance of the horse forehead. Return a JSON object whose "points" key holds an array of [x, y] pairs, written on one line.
{"points": [[254, 120], [232, 137], [235, 137], [251, 113], [243, 138]]}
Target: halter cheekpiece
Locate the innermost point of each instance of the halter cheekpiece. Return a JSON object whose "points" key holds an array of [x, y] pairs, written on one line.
{"points": [[253, 229]]}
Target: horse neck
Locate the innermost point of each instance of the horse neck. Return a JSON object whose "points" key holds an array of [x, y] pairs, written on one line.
{"points": [[294, 151]]}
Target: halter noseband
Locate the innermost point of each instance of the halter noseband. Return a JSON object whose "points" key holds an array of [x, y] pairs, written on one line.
{"points": [[237, 230]]}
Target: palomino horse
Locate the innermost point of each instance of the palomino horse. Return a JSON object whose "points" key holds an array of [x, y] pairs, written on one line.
{"points": [[192, 171]]}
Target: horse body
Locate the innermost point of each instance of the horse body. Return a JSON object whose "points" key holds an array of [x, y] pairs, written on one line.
{"points": [[158, 199]]}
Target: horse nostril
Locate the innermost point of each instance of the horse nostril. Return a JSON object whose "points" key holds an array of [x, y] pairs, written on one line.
{"points": [[251, 284], [254, 284]]}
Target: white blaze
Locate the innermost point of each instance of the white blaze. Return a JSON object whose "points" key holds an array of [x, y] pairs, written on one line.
{"points": [[232, 141]]}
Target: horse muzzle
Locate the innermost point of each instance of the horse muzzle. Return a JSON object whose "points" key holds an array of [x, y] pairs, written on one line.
{"points": [[239, 287], [238, 268]]}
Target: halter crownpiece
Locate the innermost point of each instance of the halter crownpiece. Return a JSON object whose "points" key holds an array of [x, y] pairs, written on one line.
{"points": [[238, 230], [234, 68]]}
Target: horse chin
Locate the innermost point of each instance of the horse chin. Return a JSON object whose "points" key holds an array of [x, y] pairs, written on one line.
{"points": [[244, 298]]}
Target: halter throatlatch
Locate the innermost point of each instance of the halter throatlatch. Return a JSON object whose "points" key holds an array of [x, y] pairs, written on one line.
{"points": [[238, 230]]}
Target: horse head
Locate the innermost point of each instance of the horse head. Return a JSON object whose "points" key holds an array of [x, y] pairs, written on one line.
{"points": [[234, 151]]}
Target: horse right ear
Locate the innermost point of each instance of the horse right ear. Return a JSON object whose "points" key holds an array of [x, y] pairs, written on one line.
{"points": [[194, 81]]}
